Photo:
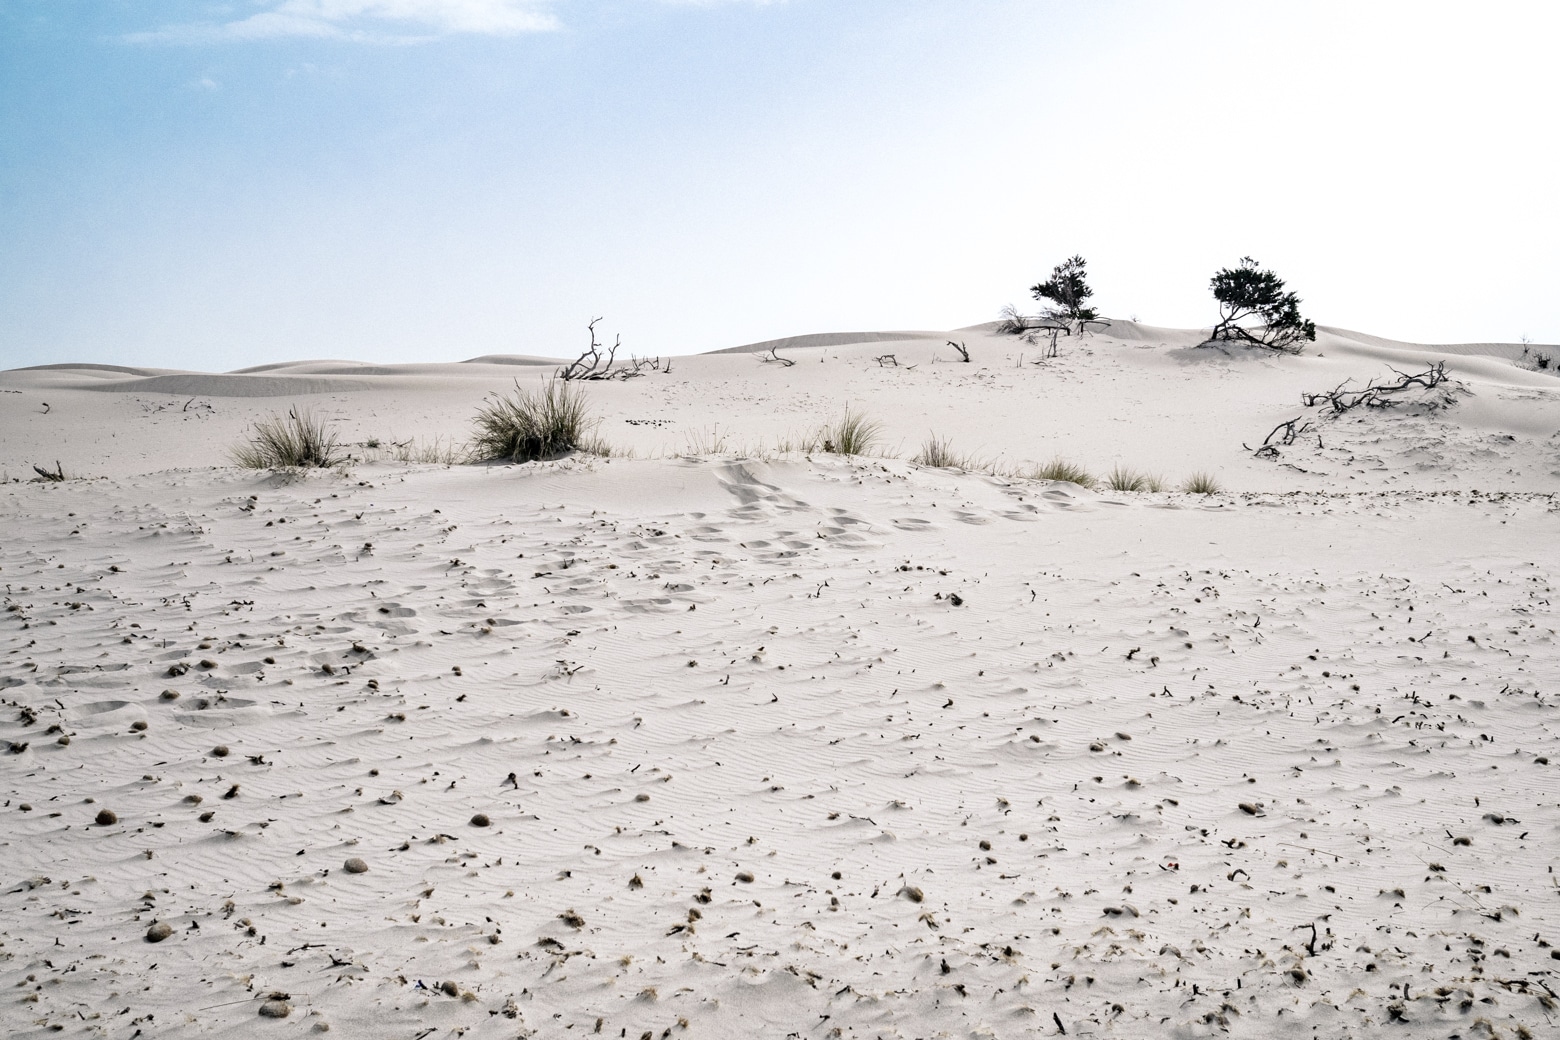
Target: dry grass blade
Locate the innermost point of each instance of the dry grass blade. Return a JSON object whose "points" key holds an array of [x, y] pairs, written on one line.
{"points": [[529, 425], [1201, 484], [1061, 469], [1123, 478], [854, 434], [937, 451], [296, 440]]}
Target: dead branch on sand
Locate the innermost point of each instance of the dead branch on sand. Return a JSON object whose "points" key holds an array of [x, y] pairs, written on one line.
{"points": [[1268, 449], [589, 365], [774, 358], [1381, 395]]}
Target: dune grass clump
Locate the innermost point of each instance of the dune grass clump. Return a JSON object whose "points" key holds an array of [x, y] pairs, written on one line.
{"points": [[297, 440], [1201, 484], [1061, 469], [854, 434], [938, 452], [1124, 478], [530, 425]]}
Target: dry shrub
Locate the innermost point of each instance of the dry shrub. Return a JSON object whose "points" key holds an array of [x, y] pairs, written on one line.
{"points": [[294, 441], [529, 425]]}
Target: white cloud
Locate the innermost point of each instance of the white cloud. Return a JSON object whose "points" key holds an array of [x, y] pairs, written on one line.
{"points": [[372, 20]]}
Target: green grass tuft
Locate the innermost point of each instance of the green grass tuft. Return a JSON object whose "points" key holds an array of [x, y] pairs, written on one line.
{"points": [[530, 425], [296, 440]]}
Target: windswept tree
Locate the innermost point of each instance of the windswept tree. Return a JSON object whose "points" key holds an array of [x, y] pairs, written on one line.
{"points": [[1068, 291], [1254, 307]]}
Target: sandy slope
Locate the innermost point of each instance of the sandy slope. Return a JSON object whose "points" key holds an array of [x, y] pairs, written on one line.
{"points": [[807, 746], [1142, 396]]}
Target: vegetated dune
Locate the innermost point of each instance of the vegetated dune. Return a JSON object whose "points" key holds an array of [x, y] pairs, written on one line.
{"points": [[759, 743]]}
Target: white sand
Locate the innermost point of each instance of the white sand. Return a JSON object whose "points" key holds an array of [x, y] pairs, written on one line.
{"points": [[1154, 742]]}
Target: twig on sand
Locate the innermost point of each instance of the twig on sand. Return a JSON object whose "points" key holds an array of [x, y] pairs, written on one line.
{"points": [[774, 358]]}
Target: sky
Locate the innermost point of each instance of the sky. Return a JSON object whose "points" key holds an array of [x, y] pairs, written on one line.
{"points": [[211, 184]]}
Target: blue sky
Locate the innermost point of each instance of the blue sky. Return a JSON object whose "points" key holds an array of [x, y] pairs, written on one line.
{"points": [[191, 183]]}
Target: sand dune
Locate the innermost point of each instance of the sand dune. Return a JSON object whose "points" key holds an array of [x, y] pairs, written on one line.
{"points": [[748, 743]]}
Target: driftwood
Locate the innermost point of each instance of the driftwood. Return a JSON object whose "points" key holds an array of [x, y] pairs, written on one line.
{"points": [[964, 354], [1285, 431], [55, 476], [1380, 395], [654, 364], [590, 364], [774, 358]]}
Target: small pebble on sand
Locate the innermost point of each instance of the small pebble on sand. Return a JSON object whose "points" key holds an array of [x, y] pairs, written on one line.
{"points": [[158, 932], [481, 820], [275, 1009], [106, 817], [355, 865]]}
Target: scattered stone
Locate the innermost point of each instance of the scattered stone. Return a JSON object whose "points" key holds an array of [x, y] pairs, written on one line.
{"points": [[572, 919], [449, 988], [1251, 810], [912, 893], [220, 751], [355, 865], [106, 818], [745, 877], [138, 726], [481, 820], [158, 932], [275, 1007], [169, 695]]}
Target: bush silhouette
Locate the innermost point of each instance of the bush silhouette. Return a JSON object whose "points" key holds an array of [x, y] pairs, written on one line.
{"points": [[1068, 290], [1248, 292]]}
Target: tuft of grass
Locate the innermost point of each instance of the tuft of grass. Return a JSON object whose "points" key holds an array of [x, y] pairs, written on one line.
{"points": [[1123, 478], [937, 451], [530, 425], [595, 444], [854, 434], [1201, 484], [1061, 469], [434, 451], [294, 441], [706, 441]]}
